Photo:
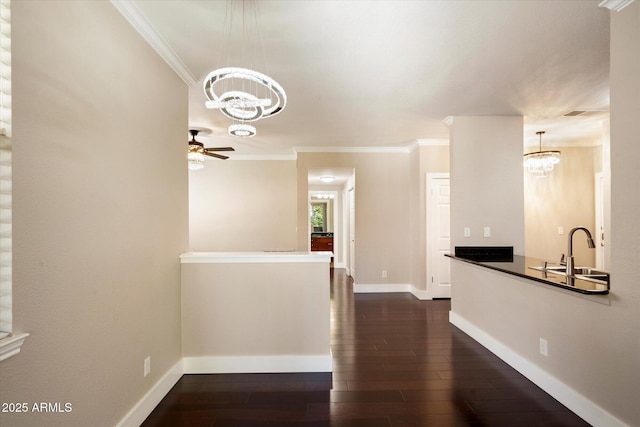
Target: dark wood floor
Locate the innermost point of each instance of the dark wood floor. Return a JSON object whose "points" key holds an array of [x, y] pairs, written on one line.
{"points": [[397, 362]]}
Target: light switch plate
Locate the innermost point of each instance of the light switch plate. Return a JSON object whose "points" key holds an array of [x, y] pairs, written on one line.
{"points": [[544, 347], [487, 232]]}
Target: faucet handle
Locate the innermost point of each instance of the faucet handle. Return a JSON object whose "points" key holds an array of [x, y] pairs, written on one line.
{"points": [[562, 260]]}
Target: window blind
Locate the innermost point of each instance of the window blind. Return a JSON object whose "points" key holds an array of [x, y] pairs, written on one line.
{"points": [[5, 171]]}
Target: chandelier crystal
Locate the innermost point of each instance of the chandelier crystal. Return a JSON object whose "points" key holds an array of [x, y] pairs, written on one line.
{"points": [[541, 162], [243, 130], [242, 94]]}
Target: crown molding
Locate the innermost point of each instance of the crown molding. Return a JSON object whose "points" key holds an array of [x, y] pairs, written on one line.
{"points": [[136, 18], [448, 120], [317, 149], [615, 5], [262, 157], [432, 142]]}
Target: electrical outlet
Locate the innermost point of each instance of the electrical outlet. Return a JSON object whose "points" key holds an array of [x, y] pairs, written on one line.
{"points": [[544, 347], [467, 232], [487, 232], [560, 230], [384, 273], [147, 365]]}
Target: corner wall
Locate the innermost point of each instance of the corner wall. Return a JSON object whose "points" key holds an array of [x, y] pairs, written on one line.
{"points": [[624, 319], [100, 213]]}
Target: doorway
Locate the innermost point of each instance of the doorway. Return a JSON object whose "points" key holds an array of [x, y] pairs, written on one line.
{"points": [[331, 221], [438, 240]]}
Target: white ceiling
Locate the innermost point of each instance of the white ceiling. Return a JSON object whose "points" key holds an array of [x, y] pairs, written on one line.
{"points": [[386, 73]]}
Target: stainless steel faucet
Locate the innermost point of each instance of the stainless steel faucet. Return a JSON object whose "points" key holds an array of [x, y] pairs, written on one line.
{"points": [[570, 264]]}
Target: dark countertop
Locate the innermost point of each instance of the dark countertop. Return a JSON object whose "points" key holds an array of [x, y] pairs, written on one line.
{"points": [[519, 266]]}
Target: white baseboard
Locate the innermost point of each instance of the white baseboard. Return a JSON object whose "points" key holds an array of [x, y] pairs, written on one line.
{"points": [[381, 288], [256, 364], [149, 401], [420, 294], [579, 404]]}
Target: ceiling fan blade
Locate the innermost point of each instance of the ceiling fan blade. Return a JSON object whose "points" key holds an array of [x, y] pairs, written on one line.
{"points": [[219, 149], [218, 156]]}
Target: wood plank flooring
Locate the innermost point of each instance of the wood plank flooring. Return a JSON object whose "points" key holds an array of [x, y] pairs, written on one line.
{"points": [[397, 362]]}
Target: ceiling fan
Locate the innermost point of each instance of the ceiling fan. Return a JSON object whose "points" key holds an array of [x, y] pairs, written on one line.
{"points": [[198, 147]]}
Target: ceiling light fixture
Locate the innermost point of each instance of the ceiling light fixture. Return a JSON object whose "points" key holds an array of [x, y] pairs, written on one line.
{"points": [[540, 162], [195, 157], [197, 151], [327, 178], [242, 94]]}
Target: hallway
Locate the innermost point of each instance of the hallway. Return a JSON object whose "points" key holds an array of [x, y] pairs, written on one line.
{"points": [[397, 362]]}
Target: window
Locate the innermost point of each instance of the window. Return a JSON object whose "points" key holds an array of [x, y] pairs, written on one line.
{"points": [[5, 170], [9, 343], [318, 215]]}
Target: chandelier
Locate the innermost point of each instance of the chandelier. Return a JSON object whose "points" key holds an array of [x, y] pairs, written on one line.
{"points": [[242, 94], [541, 162]]}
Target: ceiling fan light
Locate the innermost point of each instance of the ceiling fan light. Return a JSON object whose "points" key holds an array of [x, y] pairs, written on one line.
{"points": [[195, 158]]}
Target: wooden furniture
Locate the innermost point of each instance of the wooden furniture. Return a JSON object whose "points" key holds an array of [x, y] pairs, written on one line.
{"points": [[321, 243]]}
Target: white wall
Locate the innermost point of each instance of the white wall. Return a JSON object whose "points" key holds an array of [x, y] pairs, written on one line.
{"points": [[100, 213], [487, 182], [243, 206], [622, 320], [264, 313], [594, 345]]}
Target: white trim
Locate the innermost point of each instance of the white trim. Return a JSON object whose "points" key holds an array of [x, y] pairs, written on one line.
{"points": [[321, 149], [432, 142], [261, 157], [256, 364], [152, 398], [420, 294], [579, 404], [381, 288], [254, 257], [136, 18], [615, 5], [10, 346]]}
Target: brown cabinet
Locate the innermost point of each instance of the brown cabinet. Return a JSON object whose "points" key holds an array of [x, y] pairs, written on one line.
{"points": [[321, 243]]}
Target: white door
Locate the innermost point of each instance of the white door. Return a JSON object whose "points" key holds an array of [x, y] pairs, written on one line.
{"points": [[438, 236], [352, 233]]}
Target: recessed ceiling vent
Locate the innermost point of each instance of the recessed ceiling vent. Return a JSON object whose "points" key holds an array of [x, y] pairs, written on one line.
{"points": [[583, 113]]}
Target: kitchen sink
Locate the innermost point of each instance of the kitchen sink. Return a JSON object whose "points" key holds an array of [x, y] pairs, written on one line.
{"points": [[584, 273]]}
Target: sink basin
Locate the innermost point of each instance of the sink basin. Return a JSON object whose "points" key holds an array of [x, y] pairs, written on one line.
{"points": [[584, 273], [587, 271]]}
